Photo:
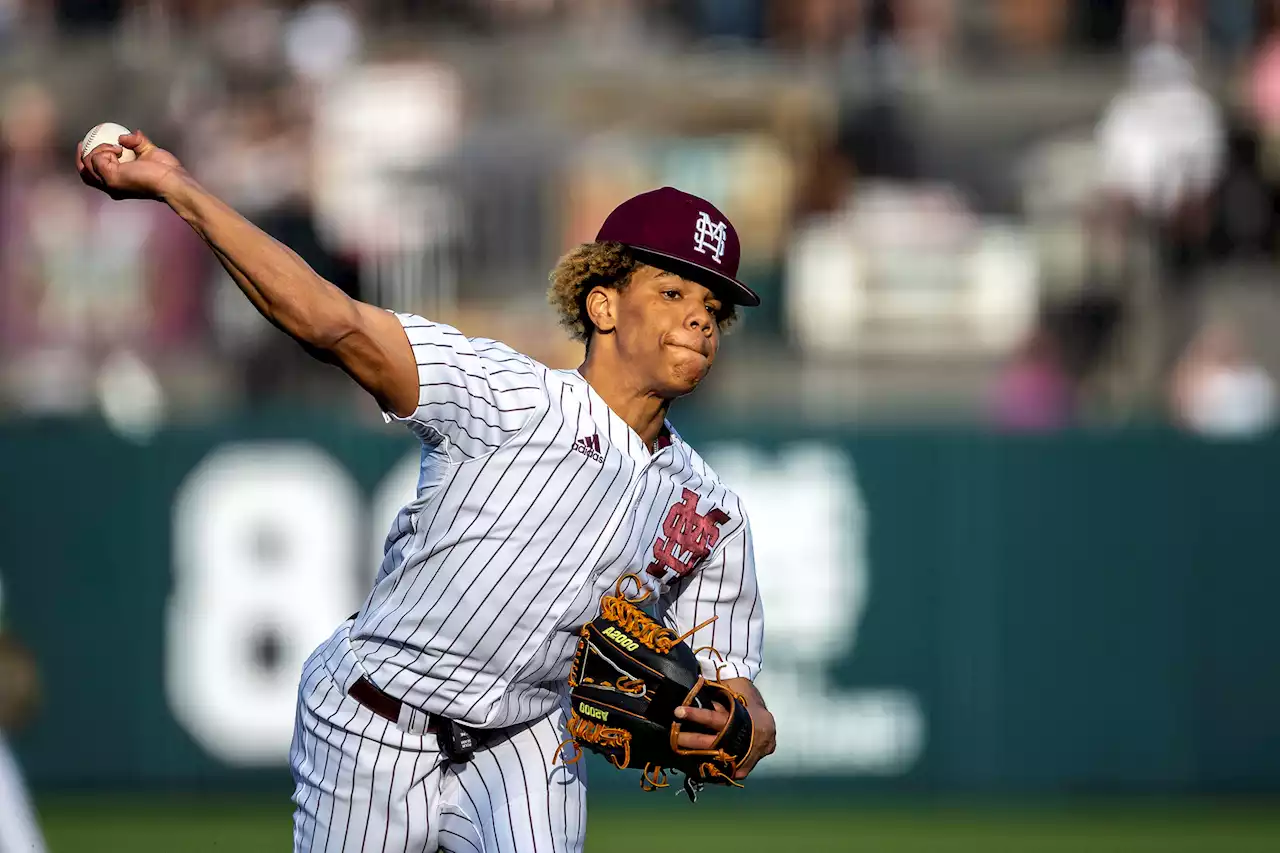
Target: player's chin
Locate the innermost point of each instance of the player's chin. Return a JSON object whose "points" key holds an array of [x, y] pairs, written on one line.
{"points": [[685, 371]]}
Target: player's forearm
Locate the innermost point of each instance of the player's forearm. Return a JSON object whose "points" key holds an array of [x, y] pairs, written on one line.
{"points": [[280, 284]]}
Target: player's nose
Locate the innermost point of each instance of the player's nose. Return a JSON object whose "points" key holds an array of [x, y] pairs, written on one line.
{"points": [[701, 319]]}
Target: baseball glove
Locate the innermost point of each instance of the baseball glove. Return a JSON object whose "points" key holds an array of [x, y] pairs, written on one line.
{"points": [[629, 675]]}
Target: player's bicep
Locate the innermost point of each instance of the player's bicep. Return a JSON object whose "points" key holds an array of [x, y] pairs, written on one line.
{"points": [[376, 353]]}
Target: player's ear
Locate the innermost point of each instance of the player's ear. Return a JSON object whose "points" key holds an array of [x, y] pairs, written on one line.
{"points": [[602, 309]]}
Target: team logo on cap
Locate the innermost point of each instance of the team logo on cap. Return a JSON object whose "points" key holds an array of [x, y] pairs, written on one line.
{"points": [[709, 236]]}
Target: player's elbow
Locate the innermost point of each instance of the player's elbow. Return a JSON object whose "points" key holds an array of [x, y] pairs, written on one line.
{"points": [[370, 345], [328, 327]]}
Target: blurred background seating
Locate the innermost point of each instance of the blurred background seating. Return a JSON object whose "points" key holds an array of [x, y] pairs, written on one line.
{"points": [[1006, 420], [928, 190]]}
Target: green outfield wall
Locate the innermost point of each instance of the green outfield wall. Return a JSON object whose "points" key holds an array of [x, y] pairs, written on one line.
{"points": [[945, 611]]}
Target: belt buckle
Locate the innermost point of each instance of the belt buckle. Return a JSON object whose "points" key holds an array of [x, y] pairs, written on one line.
{"points": [[455, 741]]}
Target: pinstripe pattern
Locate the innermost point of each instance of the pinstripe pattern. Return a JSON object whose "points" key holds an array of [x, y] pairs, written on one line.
{"points": [[365, 784], [533, 499]]}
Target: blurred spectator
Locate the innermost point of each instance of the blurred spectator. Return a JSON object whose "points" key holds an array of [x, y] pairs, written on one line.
{"points": [[816, 26], [1033, 27], [254, 150], [1244, 215], [1033, 392], [1099, 24], [415, 171], [257, 152], [926, 29], [1263, 86], [1161, 144], [1162, 152], [1219, 389], [322, 40], [10, 17], [80, 276], [1173, 23]]}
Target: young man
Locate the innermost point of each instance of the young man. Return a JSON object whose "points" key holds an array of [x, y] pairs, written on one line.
{"points": [[538, 490]]}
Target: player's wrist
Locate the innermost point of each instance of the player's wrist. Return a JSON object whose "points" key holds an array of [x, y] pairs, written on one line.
{"points": [[177, 189]]}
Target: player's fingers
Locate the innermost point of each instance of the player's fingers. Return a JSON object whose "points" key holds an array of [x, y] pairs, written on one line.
{"points": [[102, 161], [713, 718], [91, 174], [82, 168], [137, 142], [105, 162], [695, 740], [91, 171]]}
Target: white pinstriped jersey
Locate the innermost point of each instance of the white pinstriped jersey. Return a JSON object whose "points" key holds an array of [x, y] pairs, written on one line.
{"points": [[533, 499]]}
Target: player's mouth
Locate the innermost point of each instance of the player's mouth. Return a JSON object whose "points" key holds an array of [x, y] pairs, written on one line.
{"points": [[692, 348]]}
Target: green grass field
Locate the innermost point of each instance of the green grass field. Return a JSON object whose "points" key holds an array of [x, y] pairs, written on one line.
{"points": [[184, 825]]}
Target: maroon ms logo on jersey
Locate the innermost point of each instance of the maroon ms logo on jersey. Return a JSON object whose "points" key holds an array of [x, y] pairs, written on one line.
{"points": [[687, 538]]}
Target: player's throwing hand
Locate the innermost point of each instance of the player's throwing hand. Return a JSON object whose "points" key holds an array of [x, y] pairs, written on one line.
{"points": [[144, 177]]}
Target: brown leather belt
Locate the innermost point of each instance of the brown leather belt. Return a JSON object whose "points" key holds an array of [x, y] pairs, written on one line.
{"points": [[367, 694], [456, 741]]}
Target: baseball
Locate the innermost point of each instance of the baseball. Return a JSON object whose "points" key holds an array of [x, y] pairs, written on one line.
{"points": [[108, 133]]}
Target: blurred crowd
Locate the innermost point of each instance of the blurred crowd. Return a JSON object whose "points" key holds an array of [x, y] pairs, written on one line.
{"points": [[1034, 213]]}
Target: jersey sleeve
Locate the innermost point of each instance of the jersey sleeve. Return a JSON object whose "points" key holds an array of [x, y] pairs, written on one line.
{"points": [[724, 587], [473, 394]]}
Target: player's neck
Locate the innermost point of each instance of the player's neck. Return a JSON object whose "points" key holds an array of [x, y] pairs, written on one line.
{"points": [[643, 410]]}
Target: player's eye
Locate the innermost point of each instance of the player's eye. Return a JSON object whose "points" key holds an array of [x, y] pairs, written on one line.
{"points": [[671, 294]]}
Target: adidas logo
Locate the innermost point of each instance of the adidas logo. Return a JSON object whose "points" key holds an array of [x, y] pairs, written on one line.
{"points": [[589, 446]]}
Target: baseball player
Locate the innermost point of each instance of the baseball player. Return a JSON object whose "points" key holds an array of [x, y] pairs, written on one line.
{"points": [[19, 831], [430, 719]]}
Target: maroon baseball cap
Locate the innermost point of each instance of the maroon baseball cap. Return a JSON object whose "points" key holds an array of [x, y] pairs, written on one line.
{"points": [[683, 234]]}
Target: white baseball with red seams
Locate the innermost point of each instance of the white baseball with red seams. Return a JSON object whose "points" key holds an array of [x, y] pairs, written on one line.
{"points": [[533, 499], [107, 133]]}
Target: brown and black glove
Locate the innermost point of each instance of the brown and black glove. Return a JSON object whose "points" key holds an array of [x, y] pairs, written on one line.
{"points": [[629, 675]]}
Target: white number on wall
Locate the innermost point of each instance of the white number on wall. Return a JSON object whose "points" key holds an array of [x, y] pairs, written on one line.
{"points": [[264, 537]]}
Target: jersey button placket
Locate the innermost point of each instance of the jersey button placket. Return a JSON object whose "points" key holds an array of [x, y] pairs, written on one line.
{"points": [[632, 506]]}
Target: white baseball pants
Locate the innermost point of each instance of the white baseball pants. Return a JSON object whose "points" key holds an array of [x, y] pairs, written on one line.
{"points": [[367, 785], [18, 830]]}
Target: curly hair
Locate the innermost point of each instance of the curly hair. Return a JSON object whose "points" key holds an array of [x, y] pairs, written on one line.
{"points": [[593, 265]]}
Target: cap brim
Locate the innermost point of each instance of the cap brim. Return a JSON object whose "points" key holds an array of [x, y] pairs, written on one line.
{"points": [[729, 288]]}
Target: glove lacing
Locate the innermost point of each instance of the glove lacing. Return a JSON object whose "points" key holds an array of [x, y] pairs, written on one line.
{"points": [[623, 610]]}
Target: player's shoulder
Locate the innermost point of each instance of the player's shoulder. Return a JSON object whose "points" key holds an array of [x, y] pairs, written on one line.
{"points": [[500, 357], [703, 469], [718, 494], [696, 461], [499, 353]]}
